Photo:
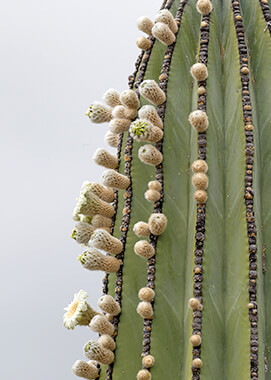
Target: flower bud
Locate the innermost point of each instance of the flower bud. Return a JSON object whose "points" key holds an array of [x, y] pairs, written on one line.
{"points": [[105, 159], [194, 304], [99, 221], [104, 193], [145, 24], [145, 309], [92, 259], [157, 223], [129, 99], [152, 195], [108, 305], [149, 113], [131, 113], [150, 90], [111, 178], [141, 229], [119, 125], [163, 33], [199, 166], [85, 370], [197, 363], [200, 196], [199, 120], [143, 130], [101, 239], [101, 325], [143, 43], [119, 112], [99, 113], [195, 340], [150, 155], [155, 185], [106, 341], [204, 7], [82, 232], [148, 361], [144, 249], [200, 181], [112, 97], [146, 294], [112, 139], [91, 205], [95, 351], [166, 17], [143, 374], [199, 72]]}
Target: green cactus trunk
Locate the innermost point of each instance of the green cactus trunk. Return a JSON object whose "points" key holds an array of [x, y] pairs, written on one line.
{"points": [[218, 251]]}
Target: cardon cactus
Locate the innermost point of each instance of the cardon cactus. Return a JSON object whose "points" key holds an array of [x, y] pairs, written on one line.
{"points": [[192, 220]]}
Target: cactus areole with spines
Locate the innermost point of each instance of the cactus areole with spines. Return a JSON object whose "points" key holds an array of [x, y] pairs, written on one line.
{"points": [[181, 224]]}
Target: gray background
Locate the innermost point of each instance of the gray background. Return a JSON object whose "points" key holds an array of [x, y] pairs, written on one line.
{"points": [[56, 58]]}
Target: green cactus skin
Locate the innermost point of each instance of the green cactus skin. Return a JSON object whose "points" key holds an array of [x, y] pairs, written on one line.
{"points": [[230, 332]]}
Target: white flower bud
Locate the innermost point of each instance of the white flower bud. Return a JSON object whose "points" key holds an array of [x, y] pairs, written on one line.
{"points": [[166, 17], [104, 193], [95, 351], [150, 155], [101, 239], [99, 221], [199, 71], [106, 341], [146, 294], [200, 196], [152, 195], [145, 24], [119, 125], [111, 178], [149, 112], [144, 249], [155, 185], [99, 113], [148, 361], [101, 325], [150, 90], [82, 232], [92, 259], [108, 305], [204, 7], [119, 112], [105, 159], [144, 130], [129, 99], [143, 374], [199, 166], [112, 97], [143, 43], [141, 229], [85, 370], [157, 223], [163, 33], [200, 181], [199, 120], [112, 139], [145, 309]]}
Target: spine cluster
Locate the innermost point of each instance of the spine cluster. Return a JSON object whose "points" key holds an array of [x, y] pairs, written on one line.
{"points": [[199, 121], [248, 191]]}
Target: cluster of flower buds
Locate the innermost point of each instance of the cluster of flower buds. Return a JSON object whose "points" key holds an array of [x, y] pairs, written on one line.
{"points": [[200, 180], [164, 29]]}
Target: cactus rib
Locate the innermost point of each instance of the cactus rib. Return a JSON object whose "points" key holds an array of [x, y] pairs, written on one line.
{"points": [[139, 76], [201, 207], [163, 81], [249, 193]]}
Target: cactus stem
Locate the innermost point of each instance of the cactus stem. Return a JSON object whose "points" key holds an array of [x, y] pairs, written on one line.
{"points": [[248, 191]]}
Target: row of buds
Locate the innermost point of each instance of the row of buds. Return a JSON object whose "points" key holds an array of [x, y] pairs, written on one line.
{"points": [[199, 121], [248, 191], [164, 29]]}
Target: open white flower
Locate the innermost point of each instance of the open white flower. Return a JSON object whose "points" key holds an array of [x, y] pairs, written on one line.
{"points": [[78, 312]]}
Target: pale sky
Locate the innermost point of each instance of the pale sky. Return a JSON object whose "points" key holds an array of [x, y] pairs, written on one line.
{"points": [[56, 58]]}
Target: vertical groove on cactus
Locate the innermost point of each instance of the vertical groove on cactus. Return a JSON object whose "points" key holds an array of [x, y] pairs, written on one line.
{"points": [[201, 207], [163, 81], [266, 13], [249, 192]]}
